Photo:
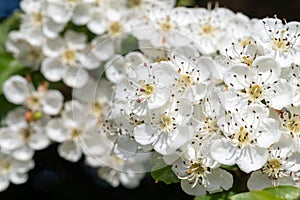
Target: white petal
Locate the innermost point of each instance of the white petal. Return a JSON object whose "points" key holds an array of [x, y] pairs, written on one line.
{"points": [[56, 130], [53, 47], [24, 153], [82, 14], [219, 178], [125, 147], [52, 102], [268, 68], [270, 133], [18, 178], [16, 89], [144, 134], [4, 182], [39, 140], [75, 77], [10, 139], [70, 151], [252, 158], [51, 29], [52, 69], [224, 152], [16, 117], [238, 77], [103, 48], [279, 95], [75, 40], [60, 12], [198, 190], [258, 181]]}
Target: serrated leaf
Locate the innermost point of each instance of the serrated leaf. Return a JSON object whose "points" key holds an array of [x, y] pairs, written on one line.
{"points": [[217, 196], [284, 192], [161, 171]]}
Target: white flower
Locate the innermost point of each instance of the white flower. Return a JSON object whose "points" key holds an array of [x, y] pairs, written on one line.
{"points": [[147, 88], [118, 66], [278, 39], [261, 85], [71, 130], [192, 73], [12, 170], [282, 162], [36, 24], [292, 75], [65, 58], [248, 134], [19, 91], [113, 169], [199, 174], [167, 128], [28, 55], [95, 97], [24, 133], [290, 122], [63, 11], [209, 29], [164, 27]]}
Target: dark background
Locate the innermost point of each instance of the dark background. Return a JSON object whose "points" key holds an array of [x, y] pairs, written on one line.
{"points": [[55, 178]]}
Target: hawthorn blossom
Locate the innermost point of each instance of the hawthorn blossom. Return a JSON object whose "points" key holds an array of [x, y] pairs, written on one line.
{"points": [[12, 170], [24, 133], [247, 136], [20, 91], [65, 57]]}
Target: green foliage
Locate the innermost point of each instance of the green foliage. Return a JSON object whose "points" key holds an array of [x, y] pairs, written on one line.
{"points": [[129, 44], [217, 196], [272, 193], [161, 171]]}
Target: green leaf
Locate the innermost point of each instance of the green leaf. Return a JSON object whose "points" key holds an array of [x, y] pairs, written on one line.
{"points": [[255, 195], [217, 196], [8, 67], [129, 44], [284, 192], [161, 171], [271, 193]]}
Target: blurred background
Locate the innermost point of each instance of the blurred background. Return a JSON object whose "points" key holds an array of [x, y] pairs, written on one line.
{"points": [[55, 178]]}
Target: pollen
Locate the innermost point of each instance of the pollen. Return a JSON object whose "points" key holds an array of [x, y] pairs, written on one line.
{"points": [[133, 3], [115, 28], [273, 167], [69, 56], [97, 108], [247, 60], [37, 17], [26, 133], [166, 122], [167, 25], [5, 166], [208, 29], [148, 89], [255, 93], [242, 137], [75, 134]]}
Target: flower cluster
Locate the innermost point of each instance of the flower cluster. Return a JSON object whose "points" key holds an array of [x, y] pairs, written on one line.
{"points": [[204, 88]]}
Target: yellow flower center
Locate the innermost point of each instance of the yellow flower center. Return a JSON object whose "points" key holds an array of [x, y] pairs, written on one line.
{"points": [[133, 3], [248, 61], [273, 167], [281, 43], [115, 28], [255, 93], [167, 25], [208, 29], [166, 122], [37, 17], [148, 89], [242, 137], [69, 56], [26, 133], [5, 166], [75, 134]]}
